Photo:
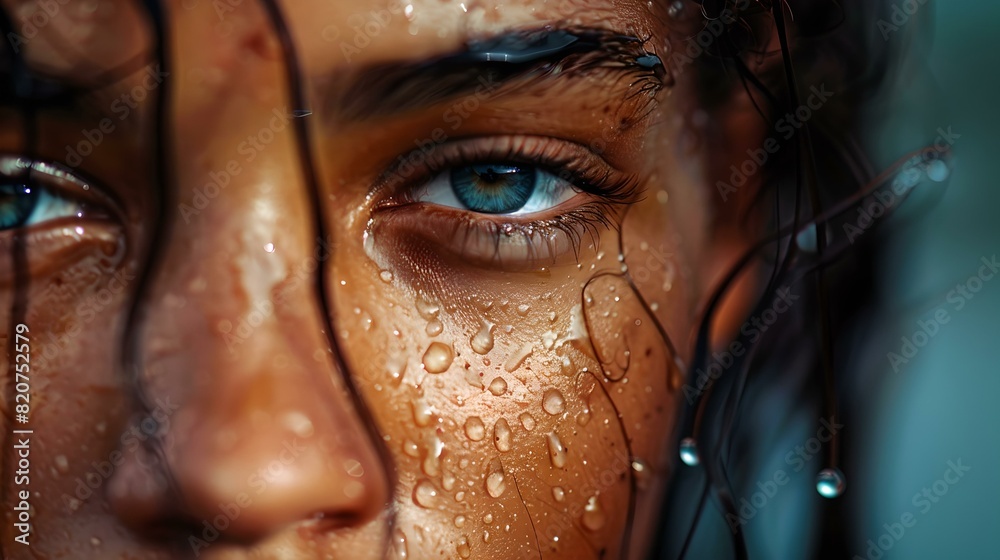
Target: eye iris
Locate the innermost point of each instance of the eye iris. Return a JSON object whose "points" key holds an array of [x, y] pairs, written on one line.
{"points": [[492, 188], [17, 202]]}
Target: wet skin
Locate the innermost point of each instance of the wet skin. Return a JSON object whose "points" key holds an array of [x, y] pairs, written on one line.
{"points": [[493, 385]]}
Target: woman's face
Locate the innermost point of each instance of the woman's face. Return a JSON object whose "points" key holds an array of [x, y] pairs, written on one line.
{"points": [[429, 343]]}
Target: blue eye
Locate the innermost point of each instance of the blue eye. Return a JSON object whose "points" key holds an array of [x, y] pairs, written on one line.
{"points": [[497, 188], [25, 203], [17, 203]]}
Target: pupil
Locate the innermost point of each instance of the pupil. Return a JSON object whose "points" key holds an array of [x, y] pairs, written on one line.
{"points": [[17, 202], [493, 188]]}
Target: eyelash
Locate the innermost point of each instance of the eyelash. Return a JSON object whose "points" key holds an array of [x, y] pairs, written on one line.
{"points": [[612, 190]]}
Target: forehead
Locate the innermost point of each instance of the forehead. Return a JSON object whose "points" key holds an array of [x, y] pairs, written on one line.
{"points": [[82, 39]]}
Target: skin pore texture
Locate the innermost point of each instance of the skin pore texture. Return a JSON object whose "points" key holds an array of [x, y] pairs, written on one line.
{"points": [[498, 387]]}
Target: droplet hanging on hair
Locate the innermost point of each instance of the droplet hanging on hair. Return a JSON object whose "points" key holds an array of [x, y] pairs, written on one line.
{"points": [[830, 483], [689, 452]]}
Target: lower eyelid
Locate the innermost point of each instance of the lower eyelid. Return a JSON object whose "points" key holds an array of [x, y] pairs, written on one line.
{"points": [[57, 244]]}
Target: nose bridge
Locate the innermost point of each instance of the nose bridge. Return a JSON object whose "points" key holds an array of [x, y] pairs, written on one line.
{"points": [[267, 434]]}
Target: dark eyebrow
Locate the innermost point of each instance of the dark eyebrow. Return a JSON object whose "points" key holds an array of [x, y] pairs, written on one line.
{"points": [[547, 53]]}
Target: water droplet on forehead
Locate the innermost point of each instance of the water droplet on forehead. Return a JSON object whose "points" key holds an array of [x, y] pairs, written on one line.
{"points": [[689, 452], [553, 402], [830, 483]]}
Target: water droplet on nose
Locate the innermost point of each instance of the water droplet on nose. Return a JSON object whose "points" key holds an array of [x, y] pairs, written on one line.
{"points": [[689, 452], [438, 357], [460, 521], [583, 418], [385, 276], [434, 327], [488, 518], [553, 402], [502, 435], [496, 483], [425, 494], [498, 386], [593, 515], [269, 247], [62, 464], [482, 341], [527, 421], [830, 483], [475, 429], [558, 494], [399, 547], [557, 452]]}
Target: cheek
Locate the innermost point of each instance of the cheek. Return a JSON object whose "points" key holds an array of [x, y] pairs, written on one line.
{"points": [[523, 411]]}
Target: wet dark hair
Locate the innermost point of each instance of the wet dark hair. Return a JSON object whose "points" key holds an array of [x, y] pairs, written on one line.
{"points": [[806, 192]]}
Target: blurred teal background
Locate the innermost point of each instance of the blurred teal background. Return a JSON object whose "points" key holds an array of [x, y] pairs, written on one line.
{"points": [[944, 404]]}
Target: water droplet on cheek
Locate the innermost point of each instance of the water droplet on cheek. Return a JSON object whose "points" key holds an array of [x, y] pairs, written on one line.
{"points": [[425, 494], [460, 521], [482, 341], [557, 452], [463, 548], [399, 547], [385, 276], [496, 481], [593, 517], [438, 357], [498, 386], [502, 436], [553, 402], [62, 464], [558, 494], [527, 421], [475, 429], [434, 327], [422, 412]]}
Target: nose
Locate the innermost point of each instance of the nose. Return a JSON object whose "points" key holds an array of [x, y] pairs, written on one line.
{"points": [[260, 429]]}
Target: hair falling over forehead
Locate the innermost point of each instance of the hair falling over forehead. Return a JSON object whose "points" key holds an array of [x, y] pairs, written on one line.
{"points": [[806, 195]]}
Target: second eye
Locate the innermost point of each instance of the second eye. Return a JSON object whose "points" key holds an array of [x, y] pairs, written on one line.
{"points": [[497, 188]]}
